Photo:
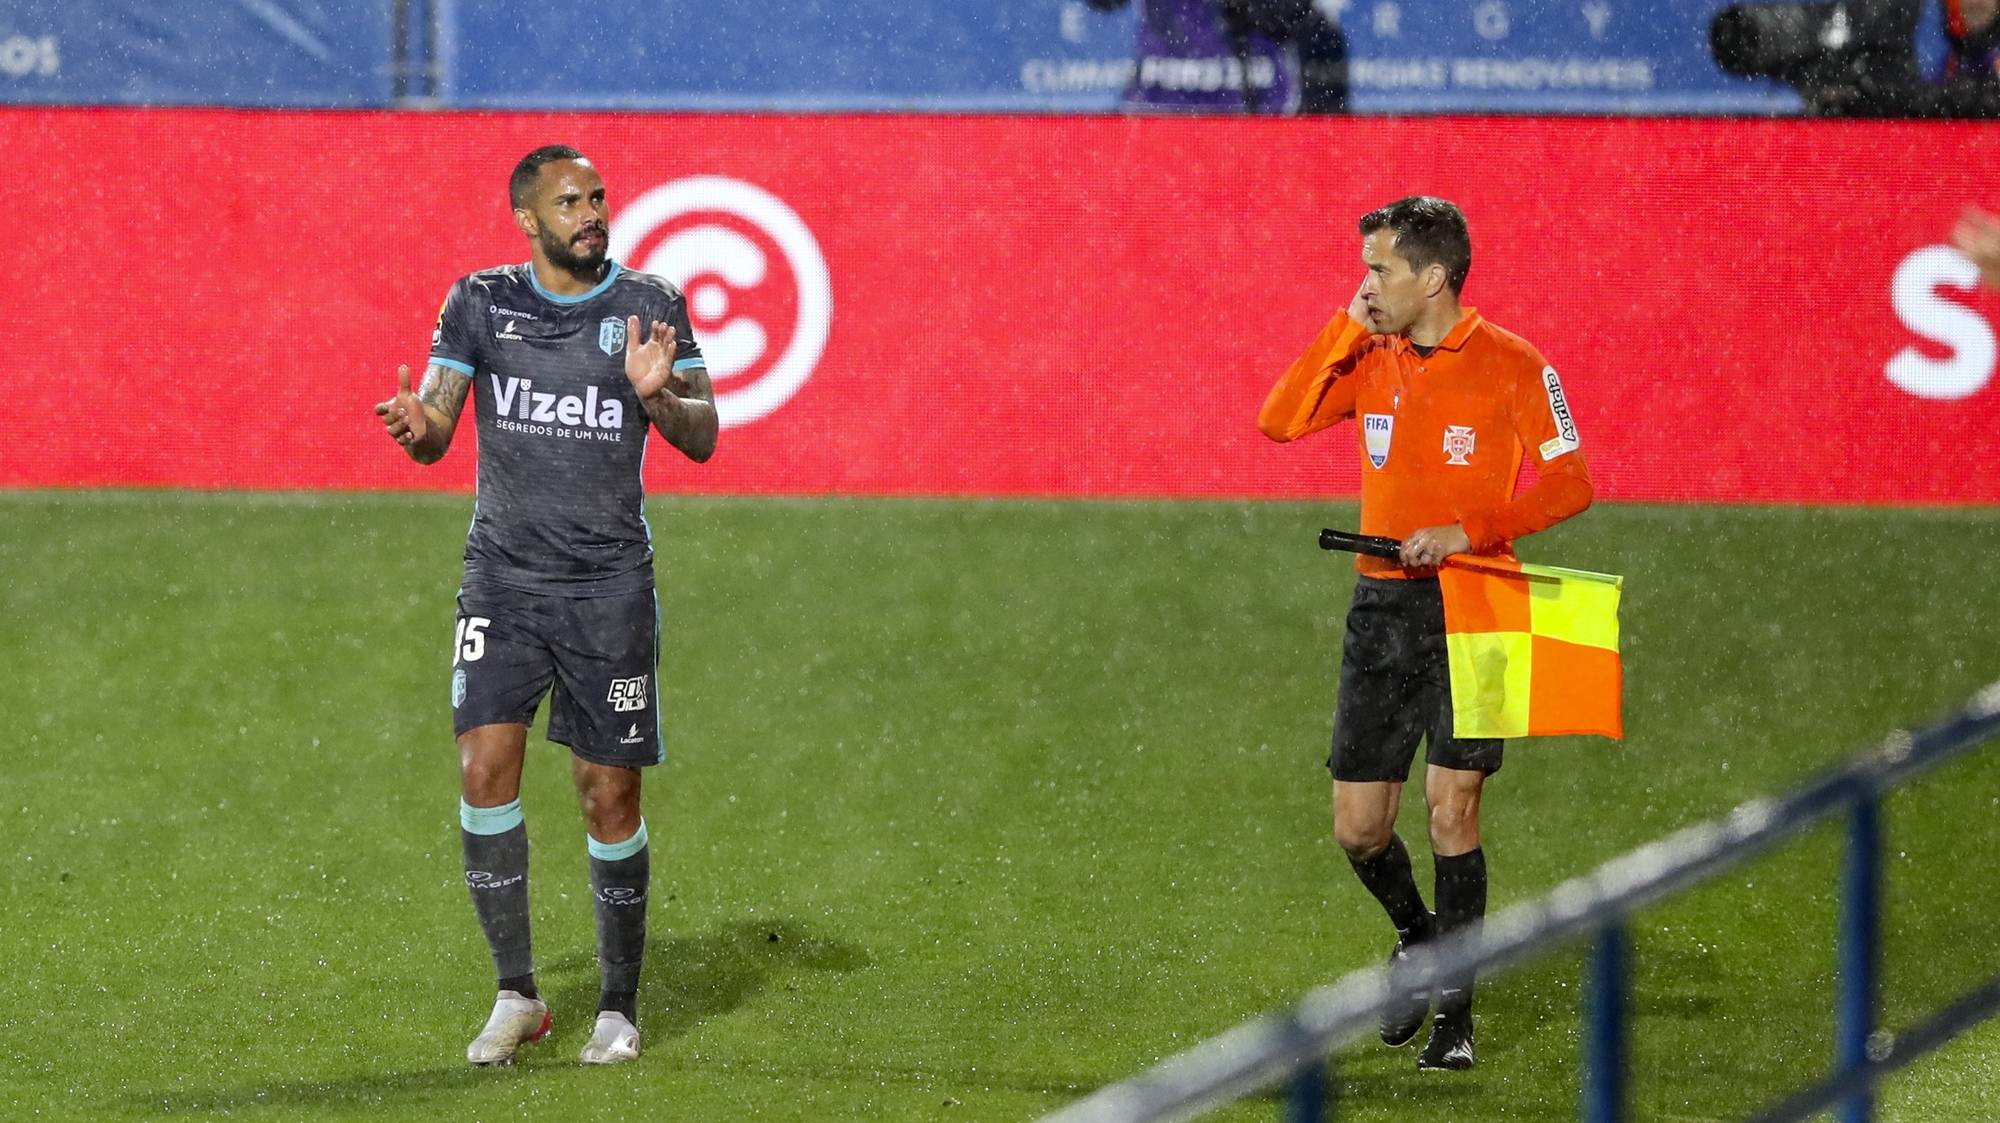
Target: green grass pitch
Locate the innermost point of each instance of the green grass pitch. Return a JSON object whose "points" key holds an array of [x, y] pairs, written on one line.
{"points": [[970, 808]]}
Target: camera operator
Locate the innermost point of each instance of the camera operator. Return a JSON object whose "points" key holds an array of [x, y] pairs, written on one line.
{"points": [[1254, 56], [1859, 58]]}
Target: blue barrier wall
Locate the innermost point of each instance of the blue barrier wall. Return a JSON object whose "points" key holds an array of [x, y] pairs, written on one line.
{"points": [[1589, 56], [1408, 56], [1545, 56], [813, 54], [198, 52]]}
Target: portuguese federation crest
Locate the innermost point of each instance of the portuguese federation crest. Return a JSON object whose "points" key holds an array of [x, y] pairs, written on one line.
{"points": [[611, 335], [1458, 444]]}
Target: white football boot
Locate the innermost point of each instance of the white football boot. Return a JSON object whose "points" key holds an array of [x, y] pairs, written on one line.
{"points": [[515, 1021], [615, 1039]]}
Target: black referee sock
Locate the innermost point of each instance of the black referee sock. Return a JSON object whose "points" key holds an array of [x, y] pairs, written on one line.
{"points": [[1461, 901], [495, 841], [619, 873], [1388, 876]]}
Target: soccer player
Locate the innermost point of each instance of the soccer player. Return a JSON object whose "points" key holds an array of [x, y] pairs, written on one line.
{"points": [[1449, 407], [569, 357]]}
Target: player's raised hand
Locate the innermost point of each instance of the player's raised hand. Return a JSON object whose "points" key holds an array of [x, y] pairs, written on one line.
{"points": [[403, 415], [650, 365], [1977, 236]]}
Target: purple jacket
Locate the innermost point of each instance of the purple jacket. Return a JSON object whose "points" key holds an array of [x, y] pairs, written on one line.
{"points": [[1184, 62]]}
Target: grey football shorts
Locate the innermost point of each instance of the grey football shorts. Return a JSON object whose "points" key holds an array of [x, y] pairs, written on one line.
{"points": [[596, 657]]}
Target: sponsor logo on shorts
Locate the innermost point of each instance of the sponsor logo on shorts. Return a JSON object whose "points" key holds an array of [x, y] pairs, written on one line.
{"points": [[628, 694], [458, 688], [1458, 442], [611, 335], [1565, 439], [1375, 431]]}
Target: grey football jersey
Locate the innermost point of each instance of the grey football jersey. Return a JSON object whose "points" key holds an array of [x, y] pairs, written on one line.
{"points": [[562, 436]]}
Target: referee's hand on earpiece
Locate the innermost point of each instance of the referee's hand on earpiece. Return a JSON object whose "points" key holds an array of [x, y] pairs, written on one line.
{"points": [[403, 415]]}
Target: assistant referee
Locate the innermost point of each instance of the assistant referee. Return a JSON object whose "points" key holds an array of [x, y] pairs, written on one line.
{"points": [[1449, 406]]}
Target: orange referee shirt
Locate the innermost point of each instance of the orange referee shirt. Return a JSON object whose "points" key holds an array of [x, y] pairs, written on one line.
{"points": [[1442, 437]]}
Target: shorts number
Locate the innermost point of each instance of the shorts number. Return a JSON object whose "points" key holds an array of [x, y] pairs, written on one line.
{"points": [[470, 643]]}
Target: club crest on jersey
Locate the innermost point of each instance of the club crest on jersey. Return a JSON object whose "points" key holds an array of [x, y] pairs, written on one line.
{"points": [[1375, 431], [1458, 440], [611, 335]]}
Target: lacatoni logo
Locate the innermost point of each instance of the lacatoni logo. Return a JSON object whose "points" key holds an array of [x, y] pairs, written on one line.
{"points": [[517, 400], [759, 297], [1963, 335]]}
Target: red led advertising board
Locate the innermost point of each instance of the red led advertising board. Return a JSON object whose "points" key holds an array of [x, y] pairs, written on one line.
{"points": [[1740, 311]]}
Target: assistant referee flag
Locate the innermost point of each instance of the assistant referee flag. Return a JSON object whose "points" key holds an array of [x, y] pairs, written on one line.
{"points": [[1533, 648]]}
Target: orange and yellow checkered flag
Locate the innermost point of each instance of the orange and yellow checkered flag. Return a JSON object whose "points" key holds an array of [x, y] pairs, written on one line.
{"points": [[1534, 649]]}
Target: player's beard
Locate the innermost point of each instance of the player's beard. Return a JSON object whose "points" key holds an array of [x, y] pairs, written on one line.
{"points": [[564, 255]]}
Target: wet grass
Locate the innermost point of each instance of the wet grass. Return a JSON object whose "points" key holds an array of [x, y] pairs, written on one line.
{"points": [[970, 807]]}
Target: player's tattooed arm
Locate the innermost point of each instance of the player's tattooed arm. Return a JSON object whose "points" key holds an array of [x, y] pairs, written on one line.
{"points": [[423, 421], [443, 398], [684, 413], [680, 403]]}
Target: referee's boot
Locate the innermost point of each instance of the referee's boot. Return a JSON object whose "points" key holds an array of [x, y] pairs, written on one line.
{"points": [[1402, 1020], [516, 1020], [1450, 1046]]}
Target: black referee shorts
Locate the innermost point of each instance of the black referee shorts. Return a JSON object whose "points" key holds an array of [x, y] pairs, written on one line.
{"points": [[1395, 687]]}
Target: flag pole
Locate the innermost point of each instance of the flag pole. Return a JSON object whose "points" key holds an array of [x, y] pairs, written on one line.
{"points": [[1370, 544]]}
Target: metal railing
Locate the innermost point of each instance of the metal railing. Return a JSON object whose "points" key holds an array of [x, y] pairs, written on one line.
{"points": [[1295, 1045]]}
